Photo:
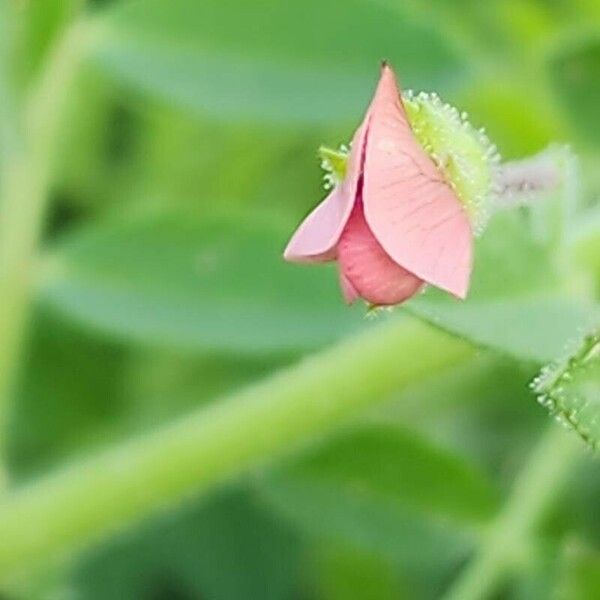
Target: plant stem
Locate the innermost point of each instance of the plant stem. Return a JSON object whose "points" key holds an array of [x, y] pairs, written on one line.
{"points": [[585, 245], [25, 180], [73, 507], [534, 489]]}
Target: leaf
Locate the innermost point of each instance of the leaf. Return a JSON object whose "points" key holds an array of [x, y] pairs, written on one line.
{"points": [[395, 464], [514, 305], [384, 490], [231, 548], [532, 329], [570, 389], [319, 510], [274, 61], [216, 284]]}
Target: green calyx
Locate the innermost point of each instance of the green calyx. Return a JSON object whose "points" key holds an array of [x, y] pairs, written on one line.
{"points": [[464, 154]]}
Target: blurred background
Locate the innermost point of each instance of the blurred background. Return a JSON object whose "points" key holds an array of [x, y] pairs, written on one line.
{"points": [[184, 156]]}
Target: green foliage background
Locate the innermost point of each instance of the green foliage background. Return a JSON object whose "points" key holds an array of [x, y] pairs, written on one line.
{"points": [[155, 156]]}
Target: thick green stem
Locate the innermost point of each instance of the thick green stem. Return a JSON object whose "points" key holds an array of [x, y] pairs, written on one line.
{"points": [[23, 195], [80, 504], [534, 490]]}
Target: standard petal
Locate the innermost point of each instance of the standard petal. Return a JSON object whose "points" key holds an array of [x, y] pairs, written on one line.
{"points": [[367, 271], [317, 237], [411, 210]]}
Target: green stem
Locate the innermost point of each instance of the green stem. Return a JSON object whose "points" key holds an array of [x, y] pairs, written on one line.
{"points": [[534, 490], [73, 507], [25, 180], [585, 245]]}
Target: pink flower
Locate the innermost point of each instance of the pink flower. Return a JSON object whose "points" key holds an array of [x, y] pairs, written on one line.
{"points": [[394, 223]]}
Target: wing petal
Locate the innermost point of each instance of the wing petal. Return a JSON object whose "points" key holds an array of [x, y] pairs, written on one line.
{"points": [[317, 237]]}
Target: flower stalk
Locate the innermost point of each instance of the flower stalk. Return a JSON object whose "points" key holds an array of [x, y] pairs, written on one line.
{"points": [[69, 509]]}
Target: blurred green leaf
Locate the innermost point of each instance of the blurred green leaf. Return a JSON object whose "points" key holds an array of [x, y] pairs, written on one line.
{"points": [[386, 491], [514, 305], [213, 284], [230, 548], [399, 466], [534, 329], [320, 511], [283, 62]]}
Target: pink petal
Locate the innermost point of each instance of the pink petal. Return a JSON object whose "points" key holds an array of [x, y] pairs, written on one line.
{"points": [[316, 238], [367, 271], [411, 210]]}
